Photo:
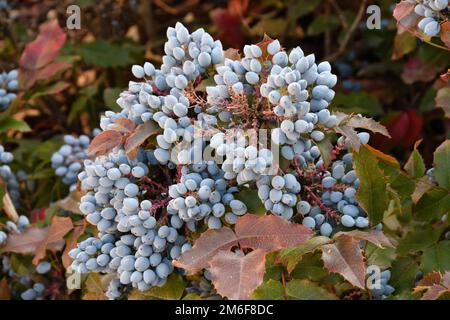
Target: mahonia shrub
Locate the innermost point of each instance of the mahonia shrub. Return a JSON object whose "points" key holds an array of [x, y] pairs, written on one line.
{"points": [[221, 163]]}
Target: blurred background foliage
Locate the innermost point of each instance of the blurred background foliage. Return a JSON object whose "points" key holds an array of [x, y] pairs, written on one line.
{"points": [[392, 77]]}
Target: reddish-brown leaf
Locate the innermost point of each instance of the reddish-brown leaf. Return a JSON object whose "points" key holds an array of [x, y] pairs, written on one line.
{"points": [[28, 77], [430, 279], [237, 276], [71, 242], [405, 15], [232, 54], [205, 248], [263, 45], [377, 237], [123, 125], [270, 233], [434, 292], [445, 33], [58, 229], [138, 137], [45, 48], [104, 142], [345, 257], [27, 241]]}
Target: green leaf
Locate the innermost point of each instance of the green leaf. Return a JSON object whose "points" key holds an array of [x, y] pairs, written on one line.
{"points": [[432, 205], [417, 240], [192, 296], [404, 272], [436, 258], [251, 199], [325, 148], [172, 290], [78, 106], [415, 165], [357, 102], [443, 100], [307, 290], [442, 165], [310, 267], [371, 194], [105, 54], [7, 123], [273, 270], [292, 256], [110, 95], [269, 290], [381, 257]]}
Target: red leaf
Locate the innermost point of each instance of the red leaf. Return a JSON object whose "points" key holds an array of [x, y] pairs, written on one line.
{"points": [[71, 242], [345, 257], [138, 137], [58, 229], [104, 142], [377, 237], [45, 48], [28, 77], [237, 276], [205, 248], [123, 125], [405, 15], [27, 241], [270, 233], [229, 27]]}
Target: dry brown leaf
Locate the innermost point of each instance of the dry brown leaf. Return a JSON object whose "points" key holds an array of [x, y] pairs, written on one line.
{"points": [[9, 207], [205, 248], [232, 54], [377, 237], [58, 229], [70, 203], [405, 15], [345, 257], [71, 242], [263, 45], [422, 186], [237, 276], [104, 142], [270, 233], [445, 33]]}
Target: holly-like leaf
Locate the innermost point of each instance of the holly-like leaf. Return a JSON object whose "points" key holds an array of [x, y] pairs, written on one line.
{"points": [[434, 285], [423, 185], [442, 165], [270, 233], [300, 289], [326, 151], [237, 276], [26, 242], [94, 288], [232, 54], [205, 248], [59, 227], [104, 142], [292, 256], [417, 240], [351, 136], [72, 241], [405, 15], [123, 125], [358, 121], [138, 137], [432, 205], [377, 237], [345, 257], [9, 123], [263, 45], [172, 290], [70, 203], [45, 48], [269, 290], [415, 165], [371, 194], [436, 257], [443, 99], [404, 43]]}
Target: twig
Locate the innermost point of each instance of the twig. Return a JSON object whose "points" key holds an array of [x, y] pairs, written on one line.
{"points": [[350, 32], [339, 13]]}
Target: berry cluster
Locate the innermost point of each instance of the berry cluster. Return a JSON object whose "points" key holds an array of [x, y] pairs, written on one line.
{"points": [[8, 85], [433, 13]]}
